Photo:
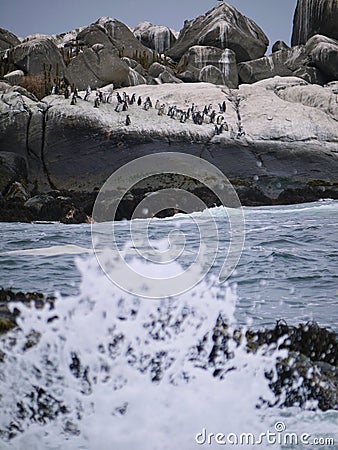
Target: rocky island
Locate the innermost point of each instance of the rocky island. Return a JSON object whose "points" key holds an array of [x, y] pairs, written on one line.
{"points": [[77, 106]]}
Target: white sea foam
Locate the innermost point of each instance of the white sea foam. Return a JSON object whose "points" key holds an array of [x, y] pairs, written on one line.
{"points": [[54, 250]]}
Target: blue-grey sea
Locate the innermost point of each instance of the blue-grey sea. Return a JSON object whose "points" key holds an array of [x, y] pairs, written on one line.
{"points": [[105, 370], [288, 268]]}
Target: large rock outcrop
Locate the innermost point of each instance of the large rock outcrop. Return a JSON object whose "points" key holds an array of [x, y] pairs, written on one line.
{"points": [[204, 58], [222, 27], [323, 52], [96, 67], [280, 134], [125, 41], [7, 39], [315, 62], [156, 37], [314, 17], [94, 34], [37, 56]]}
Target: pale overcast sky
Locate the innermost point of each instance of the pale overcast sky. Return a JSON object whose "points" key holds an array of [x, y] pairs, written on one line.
{"points": [[24, 17]]}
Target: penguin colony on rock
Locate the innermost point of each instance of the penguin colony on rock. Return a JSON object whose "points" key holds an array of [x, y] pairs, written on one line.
{"points": [[207, 115]]}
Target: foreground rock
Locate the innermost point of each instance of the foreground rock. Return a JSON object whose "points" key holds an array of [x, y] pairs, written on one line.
{"points": [[314, 17], [7, 317], [306, 377], [222, 27]]}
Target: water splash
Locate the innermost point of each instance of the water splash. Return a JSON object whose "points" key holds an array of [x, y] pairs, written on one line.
{"points": [[107, 370]]}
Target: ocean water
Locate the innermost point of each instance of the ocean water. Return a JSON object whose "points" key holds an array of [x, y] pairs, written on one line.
{"points": [[287, 270], [125, 371]]}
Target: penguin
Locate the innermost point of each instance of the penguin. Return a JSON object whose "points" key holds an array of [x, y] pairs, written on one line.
{"points": [[161, 111], [118, 96], [73, 101], [222, 107], [128, 121], [125, 106], [219, 120], [96, 102], [133, 99], [139, 101], [148, 100], [157, 105]]}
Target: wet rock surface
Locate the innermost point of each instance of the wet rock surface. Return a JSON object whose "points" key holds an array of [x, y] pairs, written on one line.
{"points": [[307, 376], [61, 206]]}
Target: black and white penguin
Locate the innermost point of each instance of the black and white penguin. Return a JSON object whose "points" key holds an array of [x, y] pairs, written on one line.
{"points": [[128, 121]]}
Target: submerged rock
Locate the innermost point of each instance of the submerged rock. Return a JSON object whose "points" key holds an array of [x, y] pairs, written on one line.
{"points": [[222, 27]]}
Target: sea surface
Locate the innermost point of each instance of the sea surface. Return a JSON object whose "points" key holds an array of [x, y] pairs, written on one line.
{"points": [[100, 350], [288, 267]]}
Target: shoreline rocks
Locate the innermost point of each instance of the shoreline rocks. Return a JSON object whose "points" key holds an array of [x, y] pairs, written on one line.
{"points": [[268, 146]]}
